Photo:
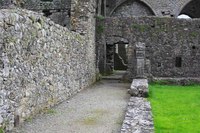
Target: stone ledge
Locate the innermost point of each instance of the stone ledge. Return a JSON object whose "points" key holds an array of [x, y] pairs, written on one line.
{"points": [[138, 118], [177, 81], [139, 88]]}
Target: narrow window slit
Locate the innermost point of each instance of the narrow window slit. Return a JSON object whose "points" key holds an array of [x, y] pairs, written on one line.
{"points": [[178, 62]]}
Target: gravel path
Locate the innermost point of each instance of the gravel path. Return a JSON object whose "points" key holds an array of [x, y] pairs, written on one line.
{"points": [[98, 109]]}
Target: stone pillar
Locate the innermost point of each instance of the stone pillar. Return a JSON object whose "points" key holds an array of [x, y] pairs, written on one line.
{"points": [[83, 22], [140, 60], [83, 16]]}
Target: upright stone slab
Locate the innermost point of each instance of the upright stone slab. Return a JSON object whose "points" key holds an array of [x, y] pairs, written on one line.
{"points": [[140, 60]]}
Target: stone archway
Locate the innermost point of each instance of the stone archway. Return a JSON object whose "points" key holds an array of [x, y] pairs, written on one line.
{"points": [[191, 9], [131, 8]]}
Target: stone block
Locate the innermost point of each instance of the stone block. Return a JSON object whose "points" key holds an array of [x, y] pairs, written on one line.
{"points": [[139, 88]]}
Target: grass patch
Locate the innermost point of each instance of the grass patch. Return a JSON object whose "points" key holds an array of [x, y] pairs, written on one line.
{"points": [[1, 130], [176, 109], [99, 112], [119, 121], [29, 119], [141, 27], [94, 117], [50, 111], [92, 120]]}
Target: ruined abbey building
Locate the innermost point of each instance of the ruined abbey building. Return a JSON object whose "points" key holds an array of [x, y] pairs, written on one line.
{"points": [[146, 39], [52, 49]]}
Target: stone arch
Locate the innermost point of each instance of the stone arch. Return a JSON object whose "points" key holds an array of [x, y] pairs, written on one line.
{"points": [[132, 8], [191, 8]]}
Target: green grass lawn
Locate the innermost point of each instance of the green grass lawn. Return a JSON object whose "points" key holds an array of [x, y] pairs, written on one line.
{"points": [[176, 109]]}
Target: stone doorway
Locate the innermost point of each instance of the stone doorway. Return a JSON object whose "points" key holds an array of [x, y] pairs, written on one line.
{"points": [[116, 56]]}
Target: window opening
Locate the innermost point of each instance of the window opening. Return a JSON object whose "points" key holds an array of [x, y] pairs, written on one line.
{"points": [[178, 62]]}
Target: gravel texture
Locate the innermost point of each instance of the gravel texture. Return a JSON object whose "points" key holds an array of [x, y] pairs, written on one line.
{"points": [[98, 109]]}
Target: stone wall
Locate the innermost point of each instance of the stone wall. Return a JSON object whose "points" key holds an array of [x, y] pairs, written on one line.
{"points": [[57, 10], [61, 8], [169, 8], [172, 46], [42, 64], [84, 22], [132, 9]]}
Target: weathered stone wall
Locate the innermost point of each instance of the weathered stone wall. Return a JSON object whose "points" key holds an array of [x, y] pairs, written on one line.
{"points": [[57, 10], [132, 9], [83, 21], [171, 45], [42, 64], [60, 9], [170, 8]]}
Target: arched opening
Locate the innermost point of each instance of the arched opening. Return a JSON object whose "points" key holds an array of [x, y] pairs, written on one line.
{"points": [[132, 8], [192, 9], [184, 16]]}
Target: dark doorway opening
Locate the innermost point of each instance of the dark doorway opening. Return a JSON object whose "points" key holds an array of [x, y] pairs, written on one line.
{"points": [[116, 57]]}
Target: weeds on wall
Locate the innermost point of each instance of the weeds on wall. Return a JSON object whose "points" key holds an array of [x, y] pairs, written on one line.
{"points": [[194, 34], [140, 27], [158, 21], [100, 17], [100, 29]]}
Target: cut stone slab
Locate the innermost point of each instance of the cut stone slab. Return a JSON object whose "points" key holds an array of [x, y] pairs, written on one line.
{"points": [[139, 88]]}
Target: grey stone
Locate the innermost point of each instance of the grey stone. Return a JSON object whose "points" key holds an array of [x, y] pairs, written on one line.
{"points": [[1, 120], [41, 63], [137, 119], [139, 87], [164, 48]]}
